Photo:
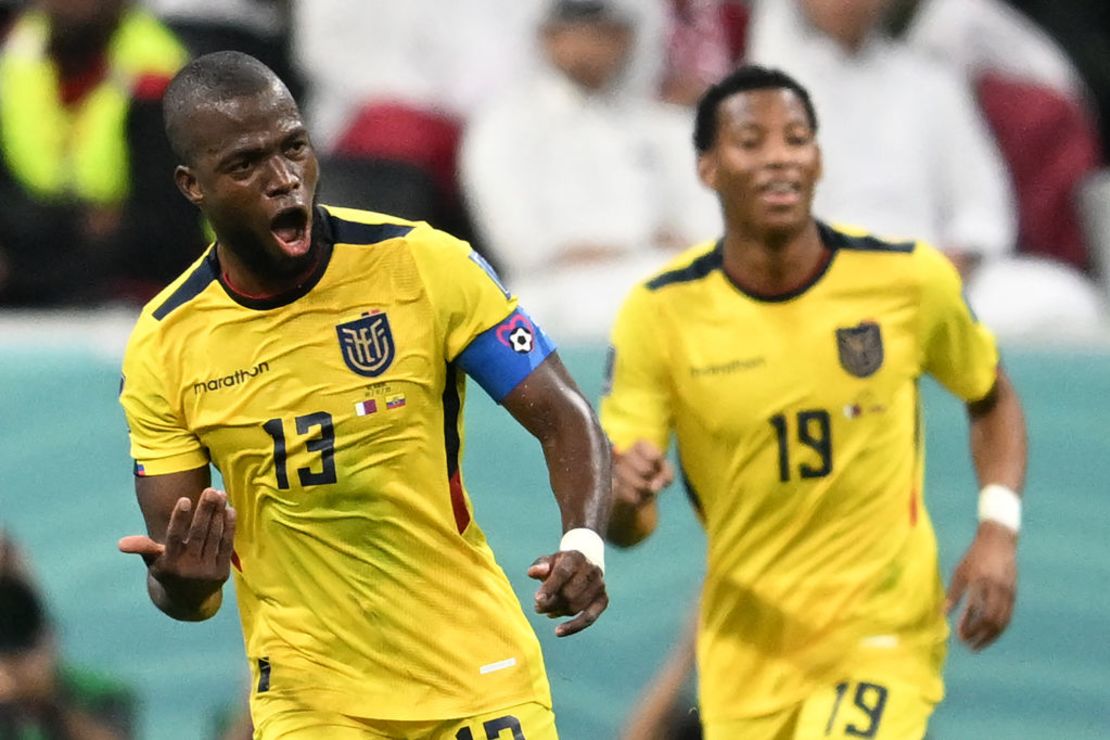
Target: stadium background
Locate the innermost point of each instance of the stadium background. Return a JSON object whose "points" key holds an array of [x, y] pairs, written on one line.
{"points": [[66, 494]]}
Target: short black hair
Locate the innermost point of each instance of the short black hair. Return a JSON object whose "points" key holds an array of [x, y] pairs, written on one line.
{"points": [[743, 79], [22, 616], [221, 75]]}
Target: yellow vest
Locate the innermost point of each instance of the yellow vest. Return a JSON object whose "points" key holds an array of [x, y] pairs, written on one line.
{"points": [[77, 152]]}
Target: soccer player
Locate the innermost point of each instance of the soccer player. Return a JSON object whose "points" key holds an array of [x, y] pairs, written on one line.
{"points": [[785, 360], [315, 356]]}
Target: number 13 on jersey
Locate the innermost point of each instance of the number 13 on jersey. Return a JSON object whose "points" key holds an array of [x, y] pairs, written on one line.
{"points": [[322, 442]]}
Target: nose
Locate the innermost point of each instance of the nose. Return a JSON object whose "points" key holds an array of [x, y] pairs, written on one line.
{"points": [[779, 153], [284, 176]]}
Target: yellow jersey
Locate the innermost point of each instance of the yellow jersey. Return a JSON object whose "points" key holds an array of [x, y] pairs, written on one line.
{"points": [[334, 415], [798, 430]]}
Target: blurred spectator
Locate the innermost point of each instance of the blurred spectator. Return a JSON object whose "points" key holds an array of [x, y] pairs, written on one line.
{"points": [[40, 698], [8, 11], [256, 27], [577, 185], [390, 84], [705, 39], [1083, 28], [906, 152], [1036, 105], [88, 208]]}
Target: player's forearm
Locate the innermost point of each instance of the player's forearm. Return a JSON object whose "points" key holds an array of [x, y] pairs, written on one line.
{"points": [[579, 467], [185, 603], [998, 440]]}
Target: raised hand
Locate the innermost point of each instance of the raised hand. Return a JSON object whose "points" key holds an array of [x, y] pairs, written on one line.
{"points": [[572, 586], [196, 557], [988, 575]]}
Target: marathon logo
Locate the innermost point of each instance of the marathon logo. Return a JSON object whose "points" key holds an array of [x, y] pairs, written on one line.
{"points": [[230, 381]]}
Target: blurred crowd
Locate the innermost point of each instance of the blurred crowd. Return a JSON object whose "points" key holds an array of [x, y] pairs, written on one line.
{"points": [[555, 135], [42, 697]]}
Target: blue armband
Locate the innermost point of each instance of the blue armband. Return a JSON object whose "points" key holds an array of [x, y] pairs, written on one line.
{"points": [[505, 354]]}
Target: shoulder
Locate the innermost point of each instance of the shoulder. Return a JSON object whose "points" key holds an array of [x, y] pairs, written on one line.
{"points": [[849, 238], [690, 267], [896, 261], [199, 277], [356, 227], [171, 306], [352, 227], [436, 254]]}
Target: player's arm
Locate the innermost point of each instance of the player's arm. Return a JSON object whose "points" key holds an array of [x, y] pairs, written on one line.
{"points": [[988, 572], [496, 343], [549, 405], [961, 353], [187, 549], [636, 414], [639, 474]]}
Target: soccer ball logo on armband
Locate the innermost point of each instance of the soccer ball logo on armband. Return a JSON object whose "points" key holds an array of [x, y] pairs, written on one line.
{"points": [[520, 339]]}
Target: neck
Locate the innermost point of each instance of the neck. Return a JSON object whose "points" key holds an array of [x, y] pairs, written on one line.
{"points": [[249, 283], [773, 264]]}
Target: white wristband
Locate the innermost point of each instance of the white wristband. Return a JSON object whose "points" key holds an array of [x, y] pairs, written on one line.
{"points": [[587, 542], [997, 503]]}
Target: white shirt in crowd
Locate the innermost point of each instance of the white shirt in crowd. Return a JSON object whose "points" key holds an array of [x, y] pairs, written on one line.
{"points": [[550, 167], [976, 36], [906, 152], [449, 57]]}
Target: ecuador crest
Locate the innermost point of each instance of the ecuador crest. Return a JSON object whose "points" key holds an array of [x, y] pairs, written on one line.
{"points": [[860, 348], [367, 344]]}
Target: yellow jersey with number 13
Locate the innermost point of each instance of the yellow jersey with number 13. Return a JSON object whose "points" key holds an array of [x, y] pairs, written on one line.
{"points": [[798, 430], [334, 415]]}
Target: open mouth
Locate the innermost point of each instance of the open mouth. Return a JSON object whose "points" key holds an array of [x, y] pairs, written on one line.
{"points": [[781, 192], [290, 227]]}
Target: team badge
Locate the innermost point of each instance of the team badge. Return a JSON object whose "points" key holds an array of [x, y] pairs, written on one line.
{"points": [[367, 344], [860, 348]]}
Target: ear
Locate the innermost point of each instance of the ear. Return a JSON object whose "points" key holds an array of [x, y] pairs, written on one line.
{"points": [[187, 184], [707, 170], [820, 166]]}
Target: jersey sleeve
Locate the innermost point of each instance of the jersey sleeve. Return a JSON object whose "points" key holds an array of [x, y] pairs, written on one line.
{"points": [[636, 398], [484, 329], [957, 350], [161, 443]]}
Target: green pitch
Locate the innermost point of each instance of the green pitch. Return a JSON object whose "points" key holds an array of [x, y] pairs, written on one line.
{"points": [[66, 494]]}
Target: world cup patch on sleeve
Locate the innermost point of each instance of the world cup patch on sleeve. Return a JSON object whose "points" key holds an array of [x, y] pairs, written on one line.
{"points": [[488, 269]]}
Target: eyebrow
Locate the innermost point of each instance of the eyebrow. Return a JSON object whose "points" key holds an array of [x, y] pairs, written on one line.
{"points": [[245, 152]]}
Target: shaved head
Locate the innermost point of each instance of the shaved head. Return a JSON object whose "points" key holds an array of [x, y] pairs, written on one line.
{"points": [[209, 81]]}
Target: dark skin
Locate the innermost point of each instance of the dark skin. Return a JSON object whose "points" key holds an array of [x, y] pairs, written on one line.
{"points": [[253, 173], [764, 166]]}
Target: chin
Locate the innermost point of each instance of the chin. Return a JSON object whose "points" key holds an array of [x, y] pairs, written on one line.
{"points": [[781, 226], [284, 264]]}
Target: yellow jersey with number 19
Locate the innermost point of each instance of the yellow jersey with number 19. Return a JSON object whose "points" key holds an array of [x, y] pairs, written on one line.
{"points": [[798, 430], [334, 415]]}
